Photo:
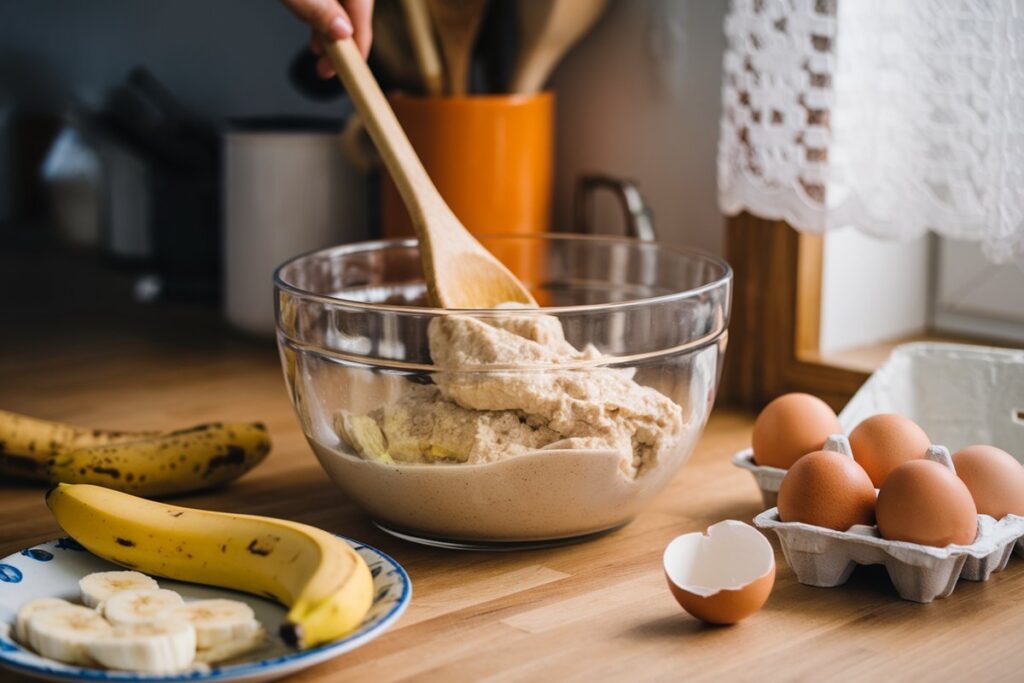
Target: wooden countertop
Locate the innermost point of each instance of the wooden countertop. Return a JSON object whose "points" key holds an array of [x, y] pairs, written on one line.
{"points": [[594, 611]]}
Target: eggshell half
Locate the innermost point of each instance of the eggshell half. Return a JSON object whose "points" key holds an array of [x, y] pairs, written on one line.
{"points": [[723, 575]]}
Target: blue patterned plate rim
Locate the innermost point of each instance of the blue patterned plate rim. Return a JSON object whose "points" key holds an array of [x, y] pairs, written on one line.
{"points": [[318, 654]]}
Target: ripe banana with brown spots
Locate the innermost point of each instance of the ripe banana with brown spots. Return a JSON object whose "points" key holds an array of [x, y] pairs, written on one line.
{"points": [[28, 443], [144, 463], [323, 581]]}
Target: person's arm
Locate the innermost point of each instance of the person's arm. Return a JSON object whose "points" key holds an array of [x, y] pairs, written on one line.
{"points": [[335, 19]]}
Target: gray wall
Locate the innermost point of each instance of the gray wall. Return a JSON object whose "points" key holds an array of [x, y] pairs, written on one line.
{"points": [[641, 99], [221, 58]]}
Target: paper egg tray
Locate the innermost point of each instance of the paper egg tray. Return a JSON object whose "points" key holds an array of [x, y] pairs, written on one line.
{"points": [[768, 478], [826, 558]]}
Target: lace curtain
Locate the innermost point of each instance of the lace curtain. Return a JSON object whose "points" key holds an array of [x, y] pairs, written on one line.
{"points": [[892, 116]]}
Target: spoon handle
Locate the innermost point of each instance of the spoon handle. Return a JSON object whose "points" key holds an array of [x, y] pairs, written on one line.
{"points": [[419, 193]]}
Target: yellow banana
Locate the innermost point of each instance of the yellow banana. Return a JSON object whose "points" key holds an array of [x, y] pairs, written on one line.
{"points": [[146, 463], [27, 443], [324, 582], [176, 462]]}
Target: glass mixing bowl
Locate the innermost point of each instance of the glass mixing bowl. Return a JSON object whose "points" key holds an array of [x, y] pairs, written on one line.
{"points": [[354, 333]]}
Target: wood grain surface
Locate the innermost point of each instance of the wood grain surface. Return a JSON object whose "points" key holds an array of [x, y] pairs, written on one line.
{"points": [[595, 611]]}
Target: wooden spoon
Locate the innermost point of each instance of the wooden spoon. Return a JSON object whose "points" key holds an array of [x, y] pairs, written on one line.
{"points": [[421, 35], [392, 47], [547, 29], [457, 23], [459, 272]]}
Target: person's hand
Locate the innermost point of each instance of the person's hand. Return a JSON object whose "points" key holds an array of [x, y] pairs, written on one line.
{"points": [[335, 20]]}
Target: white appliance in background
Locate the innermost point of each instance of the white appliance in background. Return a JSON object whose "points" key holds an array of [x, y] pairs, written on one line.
{"points": [[976, 297], [129, 213], [125, 230], [288, 189], [73, 178]]}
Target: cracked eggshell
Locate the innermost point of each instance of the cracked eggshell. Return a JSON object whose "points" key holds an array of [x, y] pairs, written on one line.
{"points": [[723, 575]]}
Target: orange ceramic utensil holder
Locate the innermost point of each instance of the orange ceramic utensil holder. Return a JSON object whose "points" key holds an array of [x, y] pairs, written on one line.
{"points": [[491, 158]]}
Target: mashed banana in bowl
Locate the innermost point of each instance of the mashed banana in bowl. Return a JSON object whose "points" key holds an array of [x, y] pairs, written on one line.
{"points": [[490, 415], [556, 445]]}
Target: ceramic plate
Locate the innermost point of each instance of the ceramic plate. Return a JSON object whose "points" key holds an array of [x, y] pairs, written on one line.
{"points": [[53, 569]]}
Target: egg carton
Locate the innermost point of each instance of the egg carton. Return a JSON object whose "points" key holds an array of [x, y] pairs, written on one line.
{"points": [[768, 478], [826, 558], [959, 394]]}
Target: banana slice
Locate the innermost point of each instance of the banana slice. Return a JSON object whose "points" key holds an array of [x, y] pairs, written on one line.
{"points": [[63, 633], [363, 435], [163, 647], [234, 648], [218, 621], [27, 610], [99, 586], [140, 606]]}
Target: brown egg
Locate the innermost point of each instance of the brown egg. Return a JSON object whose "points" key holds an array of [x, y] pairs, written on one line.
{"points": [[882, 442], [790, 427], [994, 478], [924, 502], [723, 575], [829, 490]]}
